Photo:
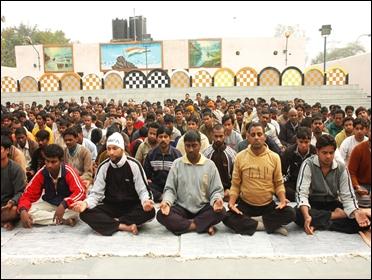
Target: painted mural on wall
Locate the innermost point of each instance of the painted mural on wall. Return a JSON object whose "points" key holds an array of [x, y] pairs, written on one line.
{"points": [[205, 53], [58, 59], [147, 55]]}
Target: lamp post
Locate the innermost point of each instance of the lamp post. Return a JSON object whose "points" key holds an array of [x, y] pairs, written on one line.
{"points": [[286, 34], [29, 40], [325, 30]]}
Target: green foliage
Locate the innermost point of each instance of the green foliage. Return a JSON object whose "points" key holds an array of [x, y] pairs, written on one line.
{"points": [[337, 53], [294, 30], [15, 36]]}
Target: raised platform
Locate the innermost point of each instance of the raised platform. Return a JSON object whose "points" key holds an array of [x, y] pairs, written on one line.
{"points": [[326, 95]]}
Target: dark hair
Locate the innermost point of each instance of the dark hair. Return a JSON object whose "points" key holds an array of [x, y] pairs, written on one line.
{"points": [[6, 142], [360, 109], [111, 130], [348, 119], [143, 131], [42, 135], [227, 117], [303, 133], [20, 131], [78, 128], [316, 117], [349, 107], [364, 123], [192, 136], [255, 124], [96, 135], [70, 131], [326, 140], [154, 125], [193, 118], [218, 127], [162, 129], [340, 111], [54, 150], [168, 118], [42, 115]]}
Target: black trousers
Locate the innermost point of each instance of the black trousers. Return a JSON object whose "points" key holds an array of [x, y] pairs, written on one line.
{"points": [[290, 191], [320, 213], [272, 218], [179, 219], [102, 217], [157, 192]]}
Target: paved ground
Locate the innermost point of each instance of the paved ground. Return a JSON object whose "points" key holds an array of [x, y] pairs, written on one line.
{"points": [[64, 252]]}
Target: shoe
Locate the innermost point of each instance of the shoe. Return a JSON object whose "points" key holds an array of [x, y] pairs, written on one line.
{"points": [[282, 230]]}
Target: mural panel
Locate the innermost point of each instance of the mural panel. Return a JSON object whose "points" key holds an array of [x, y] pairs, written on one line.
{"points": [[121, 57], [205, 53], [58, 59]]}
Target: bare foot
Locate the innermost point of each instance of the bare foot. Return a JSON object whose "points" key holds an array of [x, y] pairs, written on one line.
{"points": [[8, 225], [212, 230], [366, 236], [69, 222], [338, 213], [129, 228]]}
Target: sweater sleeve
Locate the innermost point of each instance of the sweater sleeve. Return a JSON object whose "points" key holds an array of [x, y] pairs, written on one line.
{"points": [[75, 185], [97, 191], [32, 192], [87, 175], [236, 178], [278, 177], [19, 182], [303, 184], [140, 181], [347, 195], [215, 185], [170, 188], [354, 162]]}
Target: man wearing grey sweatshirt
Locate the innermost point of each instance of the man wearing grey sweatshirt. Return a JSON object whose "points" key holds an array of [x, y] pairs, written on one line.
{"points": [[325, 195], [193, 193]]}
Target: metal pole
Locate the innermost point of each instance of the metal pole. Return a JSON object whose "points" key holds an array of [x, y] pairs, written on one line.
{"points": [[38, 56], [325, 47], [134, 13], [286, 50]]}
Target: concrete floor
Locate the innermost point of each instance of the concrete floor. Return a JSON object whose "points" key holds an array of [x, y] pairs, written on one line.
{"points": [[64, 252]]}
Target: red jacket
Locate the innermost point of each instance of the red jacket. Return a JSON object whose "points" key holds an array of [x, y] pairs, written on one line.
{"points": [[68, 189]]}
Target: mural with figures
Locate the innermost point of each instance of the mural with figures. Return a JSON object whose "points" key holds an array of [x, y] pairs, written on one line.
{"points": [[121, 57]]}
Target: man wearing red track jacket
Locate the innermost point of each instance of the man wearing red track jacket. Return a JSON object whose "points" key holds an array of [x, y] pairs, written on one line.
{"points": [[62, 187]]}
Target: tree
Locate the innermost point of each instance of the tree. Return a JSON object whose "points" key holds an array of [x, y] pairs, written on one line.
{"points": [[350, 49], [294, 30], [15, 36]]}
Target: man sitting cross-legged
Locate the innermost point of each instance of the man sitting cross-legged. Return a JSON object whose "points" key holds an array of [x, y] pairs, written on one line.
{"points": [[119, 199], [193, 193]]}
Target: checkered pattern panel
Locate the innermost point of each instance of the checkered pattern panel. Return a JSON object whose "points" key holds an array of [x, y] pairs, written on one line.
{"points": [[291, 77], [135, 79], [336, 77], [91, 82], [247, 77], [202, 79], [8, 84], [313, 78], [269, 78], [223, 78], [180, 80], [70, 83], [113, 81], [49, 83], [158, 79], [28, 84]]}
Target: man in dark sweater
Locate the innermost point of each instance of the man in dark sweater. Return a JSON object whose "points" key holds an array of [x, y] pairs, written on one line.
{"points": [[119, 199], [13, 182]]}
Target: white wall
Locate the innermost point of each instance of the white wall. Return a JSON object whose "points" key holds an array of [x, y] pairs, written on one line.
{"points": [[254, 52], [358, 67]]}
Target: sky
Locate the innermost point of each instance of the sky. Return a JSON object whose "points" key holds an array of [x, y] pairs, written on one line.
{"points": [[350, 20]]}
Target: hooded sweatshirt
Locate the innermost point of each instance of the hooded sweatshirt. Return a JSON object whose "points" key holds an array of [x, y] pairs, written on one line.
{"points": [[256, 179]]}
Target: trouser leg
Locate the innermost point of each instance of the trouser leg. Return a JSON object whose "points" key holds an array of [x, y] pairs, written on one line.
{"points": [[278, 217], [42, 213], [290, 191], [101, 219], [206, 218], [177, 221], [136, 215]]}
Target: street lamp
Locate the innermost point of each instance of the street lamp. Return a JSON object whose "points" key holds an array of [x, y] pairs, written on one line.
{"points": [[29, 40], [362, 35], [286, 34], [325, 30]]}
